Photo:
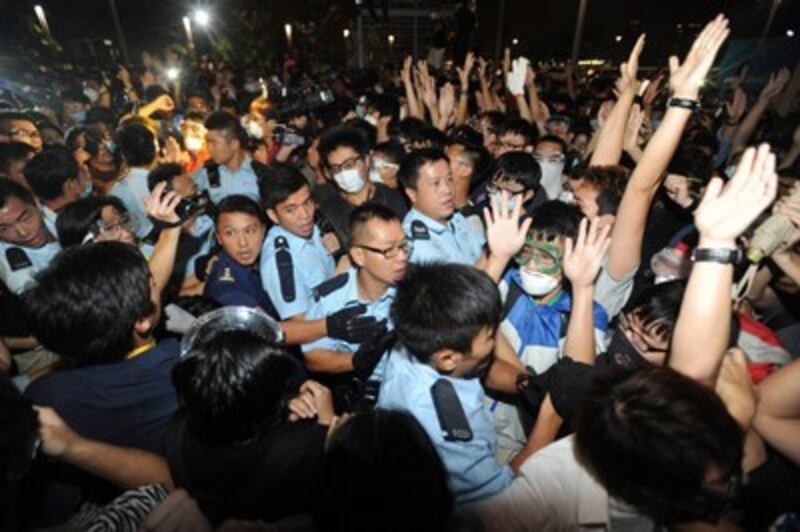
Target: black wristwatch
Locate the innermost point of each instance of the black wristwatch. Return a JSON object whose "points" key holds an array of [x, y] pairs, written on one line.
{"points": [[683, 103], [720, 255]]}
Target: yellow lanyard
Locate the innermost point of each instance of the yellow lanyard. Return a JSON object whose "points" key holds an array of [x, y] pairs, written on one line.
{"points": [[141, 349]]}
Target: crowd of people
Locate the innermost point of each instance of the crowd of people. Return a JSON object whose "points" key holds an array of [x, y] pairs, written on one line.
{"points": [[470, 297]]}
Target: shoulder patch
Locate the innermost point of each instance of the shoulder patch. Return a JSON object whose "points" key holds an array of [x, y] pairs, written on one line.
{"points": [[329, 286], [280, 242], [226, 276], [419, 231], [18, 259], [283, 260]]}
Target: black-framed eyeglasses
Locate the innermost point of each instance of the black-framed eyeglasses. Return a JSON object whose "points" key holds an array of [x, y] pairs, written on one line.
{"points": [[392, 252], [346, 165], [638, 338]]}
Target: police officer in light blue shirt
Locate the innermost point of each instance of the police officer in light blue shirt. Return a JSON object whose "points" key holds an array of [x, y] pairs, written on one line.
{"points": [[445, 316], [293, 258], [230, 170], [138, 147], [379, 250], [437, 231], [26, 244]]}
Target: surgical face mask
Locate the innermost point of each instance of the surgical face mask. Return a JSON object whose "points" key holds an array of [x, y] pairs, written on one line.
{"points": [[350, 180], [567, 197], [92, 94], [78, 117], [497, 197], [552, 177], [193, 144], [536, 283], [253, 129], [622, 354]]}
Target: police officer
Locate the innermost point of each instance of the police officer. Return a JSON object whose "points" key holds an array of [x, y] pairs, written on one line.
{"points": [[437, 231], [293, 257], [138, 147], [26, 245], [379, 251], [234, 277], [230, 170]]}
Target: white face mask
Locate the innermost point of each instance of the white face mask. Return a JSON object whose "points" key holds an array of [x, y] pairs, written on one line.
{"points": [[536, 283], [552, 177], [254, 129], [498, 197], [92, 94], [193, 144], [567, 197], [350, 180]]}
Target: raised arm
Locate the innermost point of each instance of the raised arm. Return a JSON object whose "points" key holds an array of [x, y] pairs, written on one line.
{"points": [[462, 109], [582, 261], [125, 467], [414, 109], [778, 414], [161, 207], [703, 328], [775, 85], [505, 236], [685, 81], [610, 138]]}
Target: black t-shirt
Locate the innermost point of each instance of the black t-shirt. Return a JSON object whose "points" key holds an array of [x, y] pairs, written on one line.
{"points": [[336, 210], [274, 476]]}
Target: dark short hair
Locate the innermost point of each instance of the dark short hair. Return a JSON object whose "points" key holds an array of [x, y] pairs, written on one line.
{"points": [[341, 137], [12, 189], [555, 219], [281, 181], [163, 173], [228, 124], [88, 299], [385, 104], [363, 214], [519, 167], [369, 131], [658, 306], [79, 217], [443, 306], [663, 424], [609, 181], [412, 163], [554, 139], [137, 144], [518, 126], [240, 204], [381, 467], [6, 117], [13, 152], [49, 170], [393, 151], [233, 387], [466, 136]]}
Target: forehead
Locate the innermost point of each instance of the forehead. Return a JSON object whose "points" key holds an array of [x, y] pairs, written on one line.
{"points": [[216, 135], [297, 198], [13, 207], [434, 170], [183, 181], [382, 231], [541, 241], [237, 218], [549, 147], [109, 213], [22, 124], [341, 154]]}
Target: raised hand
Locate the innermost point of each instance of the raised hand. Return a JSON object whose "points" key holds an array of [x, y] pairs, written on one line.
{"points": [[406, 72], [686, 79], [652, 90], [515, 80], [629, 69], [633, 128], [775, 85], [463, 73], [447, 104], [726, 211], [161, 206], [504, 232], [482, 65], [584, 257], [736, 107]]}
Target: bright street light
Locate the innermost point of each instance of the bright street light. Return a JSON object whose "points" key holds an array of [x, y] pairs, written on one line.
{"points": [[618, 38], [39, 10], [288, 29], [173, 73], [515, 41], [391, 40], [790, 33], [202, 17], [346, 33]]}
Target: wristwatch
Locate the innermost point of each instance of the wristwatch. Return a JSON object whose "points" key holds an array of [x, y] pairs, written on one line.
{"points": [[683, 103], [719, 255]]}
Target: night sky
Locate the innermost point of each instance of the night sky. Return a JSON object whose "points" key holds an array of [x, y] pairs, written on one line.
{"points": [[544, 28]]}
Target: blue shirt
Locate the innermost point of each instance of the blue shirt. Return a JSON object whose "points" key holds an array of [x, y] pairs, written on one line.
{"points": [[336, 294], [243, 181], [132, 191], [457, 241], [473, 471], [231, 284], [291, 267], [18, 275]]}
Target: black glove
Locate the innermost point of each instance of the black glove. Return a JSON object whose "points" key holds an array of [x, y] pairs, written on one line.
{"points": [[371, 351], [350, 325]]}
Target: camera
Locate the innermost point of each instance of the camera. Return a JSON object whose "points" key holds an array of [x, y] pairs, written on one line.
{"points": [[287, 136], [193, 205]]}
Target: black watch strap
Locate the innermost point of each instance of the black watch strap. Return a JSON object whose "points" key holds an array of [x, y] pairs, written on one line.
{"points": [[720, 255], [683, 103]]}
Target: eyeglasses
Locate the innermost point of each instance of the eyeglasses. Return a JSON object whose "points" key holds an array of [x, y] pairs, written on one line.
{"points": [[637, 337], [510, 146], [392, 252], [546, 256], [346, 165], [380, 165], [24, 133], [549, 157], [494, 188], [105, 230]]}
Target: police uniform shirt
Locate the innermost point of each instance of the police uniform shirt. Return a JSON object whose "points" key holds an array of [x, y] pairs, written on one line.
{"points": [[291, 267], [49, 218], [132, 191], [19, 264], [456, 241], [231, 284], [243, 181], [473, 471], [336, 294]]}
